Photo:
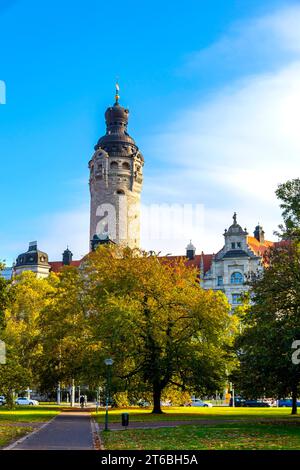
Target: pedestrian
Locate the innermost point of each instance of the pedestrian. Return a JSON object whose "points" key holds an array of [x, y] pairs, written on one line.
{"points": [[81, 401]]}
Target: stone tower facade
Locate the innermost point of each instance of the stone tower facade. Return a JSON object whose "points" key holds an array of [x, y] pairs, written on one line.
{"points": [[116, 178]]}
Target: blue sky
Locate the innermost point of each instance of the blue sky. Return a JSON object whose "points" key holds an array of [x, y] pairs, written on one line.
{"points": [[213, 88]]}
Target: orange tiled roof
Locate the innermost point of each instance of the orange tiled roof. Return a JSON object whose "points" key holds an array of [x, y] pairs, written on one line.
{"points": [[258, 247], [192, 263], [57, 266]]}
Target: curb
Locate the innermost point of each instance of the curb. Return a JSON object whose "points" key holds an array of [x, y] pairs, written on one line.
{"points": [[22, 439], [98, 444]]}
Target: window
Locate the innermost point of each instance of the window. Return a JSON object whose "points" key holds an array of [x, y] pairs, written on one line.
{"points": [[220, 280], [236, 299], [98, 170], [236, 278], [239, 244], [233, 246], [125, 166], [114, 165], [121, 192]]}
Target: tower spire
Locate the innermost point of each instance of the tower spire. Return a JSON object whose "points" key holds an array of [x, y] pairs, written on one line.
{"points": [[117, 96]]}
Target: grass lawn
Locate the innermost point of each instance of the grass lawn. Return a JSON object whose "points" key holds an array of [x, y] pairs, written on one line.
{"points": [[9, 419], [190, 413], [12, 433], [251, 428], [223, 436], [28, 414]]}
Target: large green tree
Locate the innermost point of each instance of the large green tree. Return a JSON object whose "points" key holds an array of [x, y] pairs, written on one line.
{"points": [[156, 322], [27, 298], [271, 321], [289, 195], [270, 326], [69, 348]]}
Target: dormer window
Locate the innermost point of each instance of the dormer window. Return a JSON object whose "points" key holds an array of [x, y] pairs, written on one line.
{"points": [[233, 245], [239, 244]]}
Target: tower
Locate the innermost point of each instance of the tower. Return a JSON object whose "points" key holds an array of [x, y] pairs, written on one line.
{"points": [[116, 177], [190, 251], [259, 233], [67, 257]]}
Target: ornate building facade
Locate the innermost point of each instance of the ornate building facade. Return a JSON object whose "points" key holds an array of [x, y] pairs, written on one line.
{"points": [[236, 263], [230, 268]]}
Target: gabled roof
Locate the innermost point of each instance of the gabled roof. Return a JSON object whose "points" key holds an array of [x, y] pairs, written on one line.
{"points": [[57, 266]]}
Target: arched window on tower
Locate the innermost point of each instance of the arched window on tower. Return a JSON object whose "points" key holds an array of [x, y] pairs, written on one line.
{"points": [[236, 278], [121, 192], [98, 170], [114, 165], [125, 166]]}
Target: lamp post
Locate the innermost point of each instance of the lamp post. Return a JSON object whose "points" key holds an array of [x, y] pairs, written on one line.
{"points": [[108, 362]]}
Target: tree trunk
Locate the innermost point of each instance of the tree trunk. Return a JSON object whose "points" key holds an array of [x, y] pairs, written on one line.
{"points": [[10, 402], [294, 400], [156, 400], [73, 393]]}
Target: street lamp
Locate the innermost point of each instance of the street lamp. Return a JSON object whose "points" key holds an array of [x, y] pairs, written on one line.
{"points": [[108, 362]]}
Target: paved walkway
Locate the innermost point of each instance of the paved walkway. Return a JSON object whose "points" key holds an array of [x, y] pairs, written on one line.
{"points": [[67, 431]]}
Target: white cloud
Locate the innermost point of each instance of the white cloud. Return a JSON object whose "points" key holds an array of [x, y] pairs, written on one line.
{"points": [[232, 151], [262, 42]]}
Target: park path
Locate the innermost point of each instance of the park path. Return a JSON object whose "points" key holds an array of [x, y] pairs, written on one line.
{"points": [[67, 431]]}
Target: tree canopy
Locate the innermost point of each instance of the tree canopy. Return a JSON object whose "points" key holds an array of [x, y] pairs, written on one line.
{"points": [[156, 322], [289, 195]]}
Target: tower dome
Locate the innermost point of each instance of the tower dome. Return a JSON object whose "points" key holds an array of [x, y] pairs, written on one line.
{"points": [[116, 137], [33, 260], [116, 115]]}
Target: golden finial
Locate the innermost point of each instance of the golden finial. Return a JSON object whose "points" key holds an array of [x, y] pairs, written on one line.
{"points": [[117, 92]]}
